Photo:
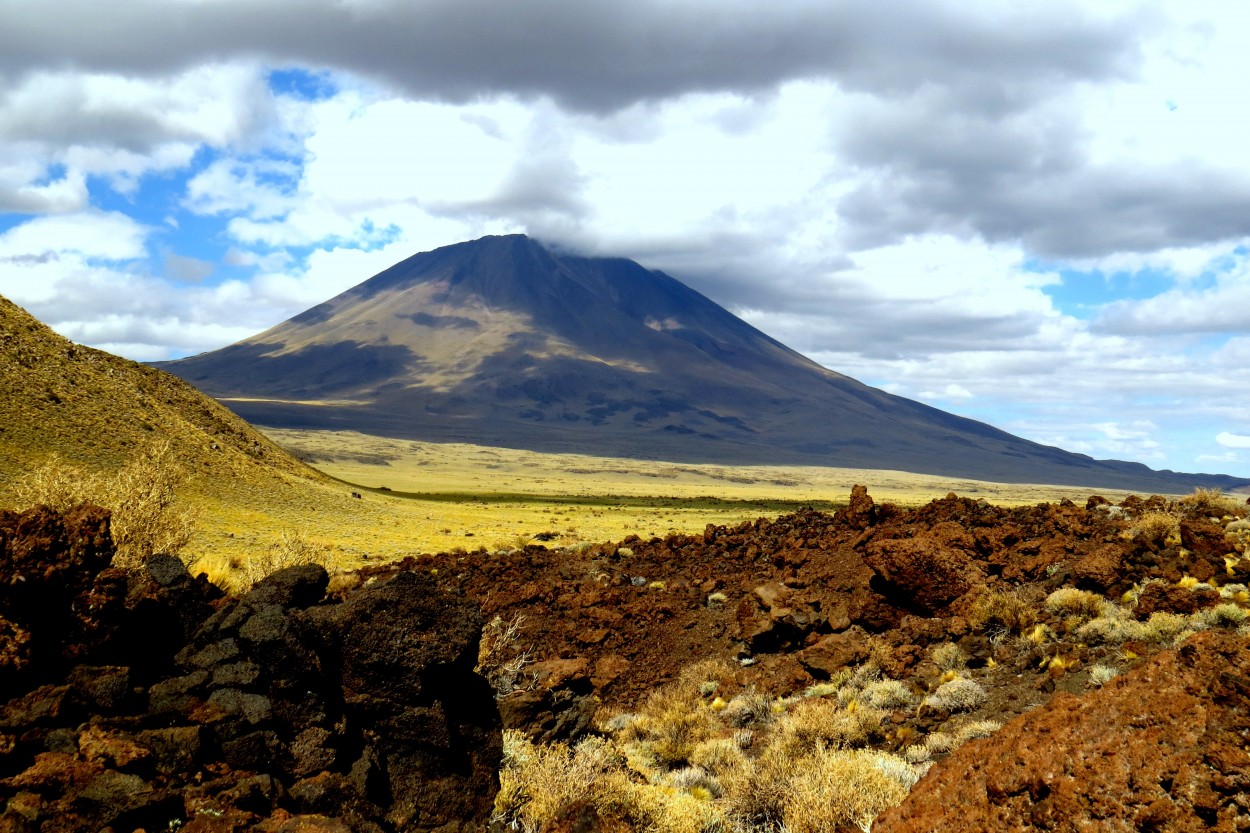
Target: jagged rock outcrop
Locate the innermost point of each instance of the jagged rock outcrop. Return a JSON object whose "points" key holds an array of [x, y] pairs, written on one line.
{"points": [[1159, 748], [167, 704]]}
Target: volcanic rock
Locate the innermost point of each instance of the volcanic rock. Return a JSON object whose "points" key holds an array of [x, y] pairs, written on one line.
{"points": [[236, 712], [923, 573], [1159, 748]]}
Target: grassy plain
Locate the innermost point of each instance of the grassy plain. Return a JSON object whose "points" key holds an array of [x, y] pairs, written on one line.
{"points": [[459, 495]]}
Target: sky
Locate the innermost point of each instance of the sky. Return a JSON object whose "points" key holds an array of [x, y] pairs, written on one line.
{"points": [[1034, 214]]}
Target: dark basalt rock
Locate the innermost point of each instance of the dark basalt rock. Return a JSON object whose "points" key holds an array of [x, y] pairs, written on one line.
{"points": [[163, 701]]}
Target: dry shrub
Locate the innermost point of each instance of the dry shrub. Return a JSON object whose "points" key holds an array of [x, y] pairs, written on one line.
{"points": [[1157, 528], [1237, 534], [1009, 611], [671, 725], [536, 783], [142, 495], [948, 657], [838, 787], [692, 680], [719, 756], [749, 708], [500, 657], [1069, 601], [1226, 615], [756, 795], [1116, 627], [1112, 627], [1212, 503], [958, 695], [888, 694], [815, 723], [976, 729], [291, 549]]}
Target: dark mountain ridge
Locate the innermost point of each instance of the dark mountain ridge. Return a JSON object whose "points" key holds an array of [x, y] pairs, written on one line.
{"points": [[501, 341]]}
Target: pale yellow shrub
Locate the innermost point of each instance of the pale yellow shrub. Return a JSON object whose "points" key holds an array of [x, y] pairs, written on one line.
{"points": [[1164, 628], [976, 729], [749, 709], [1112, 627], [147, 515], [948, 657], [958, 695], [1008, 611], [1212, 503], [837, 787], [888, 694], [817, 723], [1157, 527], [291, 549], [1069, 601], [536, 783]]}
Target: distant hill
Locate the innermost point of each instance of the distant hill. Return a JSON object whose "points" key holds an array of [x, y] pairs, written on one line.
{"points": [[96, 410], [503, 342]]}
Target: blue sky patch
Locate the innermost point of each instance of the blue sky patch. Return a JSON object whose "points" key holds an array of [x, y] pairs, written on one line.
{"points": [[303, 84]]}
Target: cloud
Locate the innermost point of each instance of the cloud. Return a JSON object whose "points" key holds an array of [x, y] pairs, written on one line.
{"points": [[21, 192], [95, 235], [593, 56], [199, 104], [933, 165], [187, 269], [1219, 305], [1230, 440]]}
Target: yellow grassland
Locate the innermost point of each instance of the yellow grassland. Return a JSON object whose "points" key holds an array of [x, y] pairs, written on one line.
{"points": [[448, 495]]}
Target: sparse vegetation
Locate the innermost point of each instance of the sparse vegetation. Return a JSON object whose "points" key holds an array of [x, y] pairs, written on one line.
{"points": [[1212, 503], [148, 516], [1006, 611], [1157, 527], [679, 765]]}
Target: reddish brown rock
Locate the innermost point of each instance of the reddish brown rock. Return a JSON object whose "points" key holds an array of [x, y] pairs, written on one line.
{"points": [[1101, 569], [49, 564], [861, 511], [923, 573], [1158, 748], [1162, 597], [835, 652]]}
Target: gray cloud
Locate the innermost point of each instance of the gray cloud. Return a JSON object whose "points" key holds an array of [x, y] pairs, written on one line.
{"points": [[593, 56], [938, 166], [187, 269]]}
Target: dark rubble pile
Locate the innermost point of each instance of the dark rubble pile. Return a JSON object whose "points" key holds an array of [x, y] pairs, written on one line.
{"points": [[151, 702]]}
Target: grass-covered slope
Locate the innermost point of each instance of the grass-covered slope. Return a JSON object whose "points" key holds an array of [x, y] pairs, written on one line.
{"points": [[96, 412]]}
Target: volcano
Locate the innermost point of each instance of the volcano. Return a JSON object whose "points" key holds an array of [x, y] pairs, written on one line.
{"points": [[505, 342]]}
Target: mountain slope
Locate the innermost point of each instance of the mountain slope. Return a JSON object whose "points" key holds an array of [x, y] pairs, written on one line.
{"points": [[502, 342], [96, 411]]}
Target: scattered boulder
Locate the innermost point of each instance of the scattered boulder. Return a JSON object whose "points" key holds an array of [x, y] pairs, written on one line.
{"points": [[922, 573], [1162, 597]]}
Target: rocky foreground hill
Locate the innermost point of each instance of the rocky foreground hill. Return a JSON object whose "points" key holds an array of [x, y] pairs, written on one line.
{"points": [[963, 666]]}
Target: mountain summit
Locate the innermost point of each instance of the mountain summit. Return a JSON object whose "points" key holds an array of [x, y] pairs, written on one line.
{"points": [[502, 341]]}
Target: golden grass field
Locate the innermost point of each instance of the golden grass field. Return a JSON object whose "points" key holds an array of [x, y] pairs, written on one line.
{"points": [[439, 497]]}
